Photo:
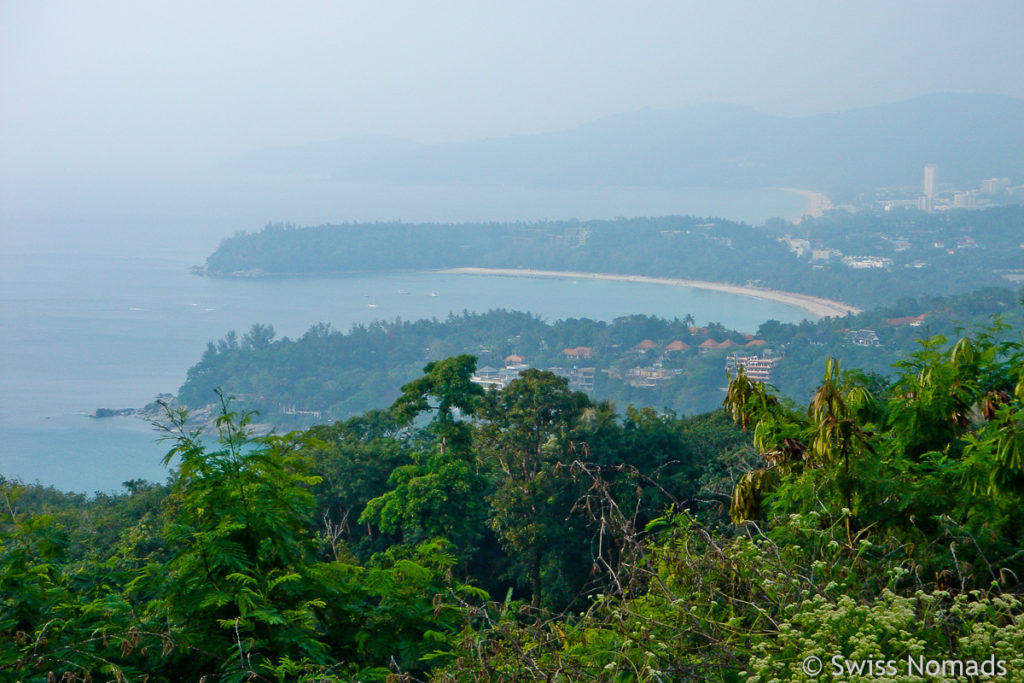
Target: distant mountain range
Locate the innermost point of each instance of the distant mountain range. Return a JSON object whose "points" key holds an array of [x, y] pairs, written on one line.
{"points": [[969, 137]]}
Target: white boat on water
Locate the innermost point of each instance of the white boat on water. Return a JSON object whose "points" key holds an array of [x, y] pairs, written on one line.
{"points": [[433, 294]]}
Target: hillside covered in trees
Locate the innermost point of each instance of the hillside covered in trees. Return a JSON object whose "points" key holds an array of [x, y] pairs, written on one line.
{"points": [[665, 364], [866, 258], [532, 533]]}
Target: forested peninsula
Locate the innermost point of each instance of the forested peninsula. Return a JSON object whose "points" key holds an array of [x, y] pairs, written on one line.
{"points": [[330, 374], [865, 259]]}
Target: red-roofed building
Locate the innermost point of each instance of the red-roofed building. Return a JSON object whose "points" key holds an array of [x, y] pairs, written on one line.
{"points": [[677, 346], [707, 346], [513, 359], [645, 346], [697, 330], [578, 352], [755, 342]]}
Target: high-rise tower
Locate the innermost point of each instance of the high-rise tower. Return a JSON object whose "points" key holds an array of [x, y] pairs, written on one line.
{"points": [[929, 181], [929, 188]]}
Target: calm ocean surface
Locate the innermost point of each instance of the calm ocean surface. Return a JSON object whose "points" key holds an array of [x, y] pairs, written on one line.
{"points": [[82, 332]]}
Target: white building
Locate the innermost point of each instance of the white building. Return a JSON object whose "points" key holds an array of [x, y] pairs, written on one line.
{"points": [[756, 368], [798, 246], [861, 262], [994, 185], [495, 378]]}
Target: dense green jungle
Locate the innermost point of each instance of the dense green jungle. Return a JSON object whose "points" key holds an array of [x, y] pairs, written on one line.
{"points": [[536, 533]]}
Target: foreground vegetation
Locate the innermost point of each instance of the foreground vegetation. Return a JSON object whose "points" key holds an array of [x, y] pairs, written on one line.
{"points": [[533, 534]]}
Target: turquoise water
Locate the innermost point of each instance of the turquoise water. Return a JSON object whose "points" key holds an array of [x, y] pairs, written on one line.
{"points": [[82, 332]]}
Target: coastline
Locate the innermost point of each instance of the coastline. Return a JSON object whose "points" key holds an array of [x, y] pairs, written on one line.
{"points": [[817, 202], [825, 308]]}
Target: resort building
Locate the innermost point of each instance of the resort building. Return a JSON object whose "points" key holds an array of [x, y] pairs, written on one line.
{"points": [[580, 379], [709, 345], [862, 262], [578, 352], [756, 368], [864, 338], [645, 346], [649, 376], [494, 378]]}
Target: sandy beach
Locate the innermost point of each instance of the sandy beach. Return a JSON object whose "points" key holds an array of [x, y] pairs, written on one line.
{"points": [[826, 308], [817, 203]]}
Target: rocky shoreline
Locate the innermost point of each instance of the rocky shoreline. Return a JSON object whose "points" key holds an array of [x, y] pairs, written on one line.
{"points": [[204, 417], [151, 412]]}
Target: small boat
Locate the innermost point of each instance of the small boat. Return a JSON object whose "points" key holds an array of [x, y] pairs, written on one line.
{"points": [[432, 294], [403, 291], [371, 305]]}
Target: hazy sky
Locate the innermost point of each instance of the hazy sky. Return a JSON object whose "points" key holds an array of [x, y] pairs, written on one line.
{"points": [[177, 81], [111, 112]]}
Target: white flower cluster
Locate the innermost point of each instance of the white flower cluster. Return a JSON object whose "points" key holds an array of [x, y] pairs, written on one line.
{"points": [[893, 628]]}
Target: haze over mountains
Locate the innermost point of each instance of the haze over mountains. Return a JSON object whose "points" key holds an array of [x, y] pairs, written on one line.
{"points": [[718, 146], [708, 160]]}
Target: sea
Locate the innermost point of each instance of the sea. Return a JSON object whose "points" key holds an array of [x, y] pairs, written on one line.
{"points": [[85, 329]]}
